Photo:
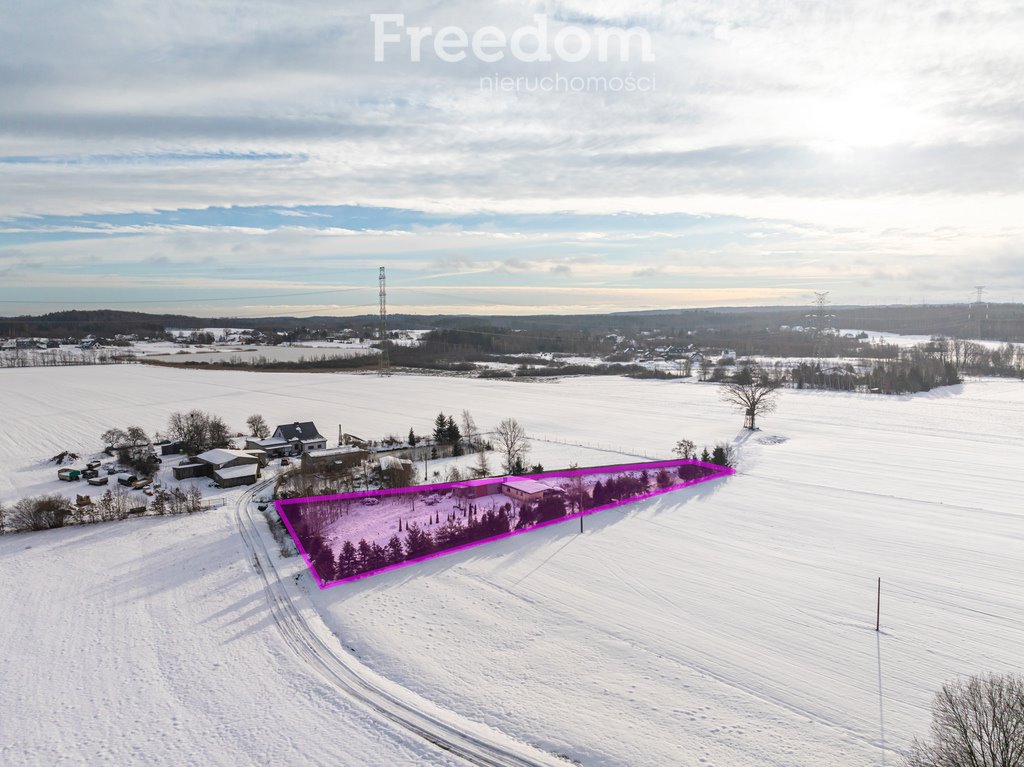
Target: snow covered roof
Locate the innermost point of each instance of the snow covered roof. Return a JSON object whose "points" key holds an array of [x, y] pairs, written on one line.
{"points": [[221, 455], [233, 472], [272, 442], [327, 452], [304, 431], [388, 461], [527, 485]]}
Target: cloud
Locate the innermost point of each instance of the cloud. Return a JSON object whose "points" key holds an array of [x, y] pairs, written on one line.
{"points": [[813, 141]]}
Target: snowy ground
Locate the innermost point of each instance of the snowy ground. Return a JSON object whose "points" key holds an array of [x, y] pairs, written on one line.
{"points": [[729, 624]]}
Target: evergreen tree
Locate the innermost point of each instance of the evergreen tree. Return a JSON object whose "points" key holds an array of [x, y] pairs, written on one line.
{"points": [[705, 456], [440, 429], [450, 534], [502, 521], [378, 557], [551, 507], [417, 542], [323, 563], [722, 455], [413, 439], [395, 553], [612, 492], [365, 554], [314, 545], [451, 432], [599, 495], [527, 517], [663, 478], [348, 561]]}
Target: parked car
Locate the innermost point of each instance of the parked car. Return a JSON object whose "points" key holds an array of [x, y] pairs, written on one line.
{"points": [[90, 473], [262, 507], [370, 501], [111, 470], [285, 462], [93, 464], [97, 481]]}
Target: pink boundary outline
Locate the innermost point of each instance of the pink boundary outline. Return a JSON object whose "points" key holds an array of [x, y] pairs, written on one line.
{"points": [[717, 472]]}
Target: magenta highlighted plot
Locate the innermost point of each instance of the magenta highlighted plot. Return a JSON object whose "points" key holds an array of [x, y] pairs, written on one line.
{"points": [[353, 535]]}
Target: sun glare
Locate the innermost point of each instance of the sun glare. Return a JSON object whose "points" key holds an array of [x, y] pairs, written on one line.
{"points": [[861, 120]]}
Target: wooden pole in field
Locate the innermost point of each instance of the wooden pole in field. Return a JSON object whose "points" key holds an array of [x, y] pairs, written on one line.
{"points": [[878, 607]]}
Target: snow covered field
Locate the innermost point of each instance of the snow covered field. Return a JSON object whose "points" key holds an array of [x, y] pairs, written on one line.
{"points": [[729, 624]]}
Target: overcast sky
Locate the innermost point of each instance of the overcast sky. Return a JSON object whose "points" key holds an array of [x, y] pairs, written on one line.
{"points": [[218, 157]]}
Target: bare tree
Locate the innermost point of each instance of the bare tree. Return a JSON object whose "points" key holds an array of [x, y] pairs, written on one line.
{"points": [[43, 512], [258, 426], [198, 431], [512, 444], [482, 468], [754, 396], [685, 448], [705, 367], [468, 428], [3, 518], [975, 723]]}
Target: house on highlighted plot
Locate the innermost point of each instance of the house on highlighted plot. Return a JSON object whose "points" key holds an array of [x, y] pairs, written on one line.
{"points": [[527, 490], [521, 489], [302, 436], [477, 488], [228, 468]]}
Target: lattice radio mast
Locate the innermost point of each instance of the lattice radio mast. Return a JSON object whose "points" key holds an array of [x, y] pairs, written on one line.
{"points": [[384, 368]]}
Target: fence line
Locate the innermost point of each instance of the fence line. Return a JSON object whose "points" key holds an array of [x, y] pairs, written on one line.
{"points": [[597, 446]]}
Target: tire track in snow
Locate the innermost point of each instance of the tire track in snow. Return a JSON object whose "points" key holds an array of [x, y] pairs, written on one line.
{"points": [[472, 742]]}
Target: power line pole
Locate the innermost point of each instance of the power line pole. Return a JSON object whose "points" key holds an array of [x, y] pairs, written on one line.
{"points": [[384, 368], [822, 322], [878, 607], [978, 313]]}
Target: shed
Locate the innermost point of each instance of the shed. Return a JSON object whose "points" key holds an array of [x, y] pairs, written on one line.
{"points": [[233, 476], [189, 470]]}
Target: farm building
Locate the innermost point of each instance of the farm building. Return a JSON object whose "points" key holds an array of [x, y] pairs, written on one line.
{"points": [[189, 469], [345, 457], [233, 476], [274, 447], [228, 468], [302, 436]]}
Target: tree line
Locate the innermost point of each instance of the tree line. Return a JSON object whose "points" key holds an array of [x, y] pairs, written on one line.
{"points": [[412, 540], [52, 511]]}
